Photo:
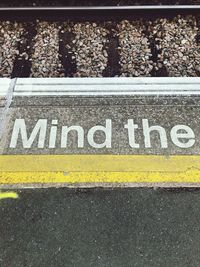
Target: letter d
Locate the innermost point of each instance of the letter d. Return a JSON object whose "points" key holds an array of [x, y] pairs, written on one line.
{"points": [[108, 135]]}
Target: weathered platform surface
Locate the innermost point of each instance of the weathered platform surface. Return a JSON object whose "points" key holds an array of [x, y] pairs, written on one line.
{"points": [[89, 132]]}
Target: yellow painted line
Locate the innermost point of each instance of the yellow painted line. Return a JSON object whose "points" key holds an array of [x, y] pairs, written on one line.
{"points": [[20, 169], [5, 195]]}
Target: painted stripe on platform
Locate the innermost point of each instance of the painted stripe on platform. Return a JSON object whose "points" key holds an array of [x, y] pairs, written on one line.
{"points": [[115, 86], [26, 169], [4, 85]]}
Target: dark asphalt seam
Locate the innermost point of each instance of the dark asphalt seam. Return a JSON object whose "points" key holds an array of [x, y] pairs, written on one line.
{"points": [[113, 67], [65, 53]]}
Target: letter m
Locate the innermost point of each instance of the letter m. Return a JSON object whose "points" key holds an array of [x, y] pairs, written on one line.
{"points": [[19, 129]]}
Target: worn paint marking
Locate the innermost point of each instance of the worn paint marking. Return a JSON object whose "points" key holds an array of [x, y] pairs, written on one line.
{"points": [[25, 169], [5, 195]]}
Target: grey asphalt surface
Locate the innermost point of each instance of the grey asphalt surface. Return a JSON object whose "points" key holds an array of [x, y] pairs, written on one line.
{"points": [[101, 227]]}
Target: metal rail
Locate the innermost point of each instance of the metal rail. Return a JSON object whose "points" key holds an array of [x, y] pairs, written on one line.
{"points": [[102, 8], [96, 12]]}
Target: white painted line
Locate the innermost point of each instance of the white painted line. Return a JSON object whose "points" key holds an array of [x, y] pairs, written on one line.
{"points": [[4, 85], [115, 80], [107, 86], [102, 86], [108, 94]]}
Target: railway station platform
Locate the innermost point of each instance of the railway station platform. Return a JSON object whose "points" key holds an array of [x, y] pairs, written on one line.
{"points": [[99, 171], [94, 177]]}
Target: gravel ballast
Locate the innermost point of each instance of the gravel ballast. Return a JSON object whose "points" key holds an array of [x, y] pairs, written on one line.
{"points": [[88, 48], [176, 42], [160, 47], [134, 49], [45, 58], [10, 36]]}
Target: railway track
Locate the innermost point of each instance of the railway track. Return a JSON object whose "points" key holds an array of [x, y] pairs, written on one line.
{"points": [[95, 3], [50, 43]]}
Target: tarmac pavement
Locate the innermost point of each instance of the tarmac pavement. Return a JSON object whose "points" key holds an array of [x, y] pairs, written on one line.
{"points": [[100, 227]]}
